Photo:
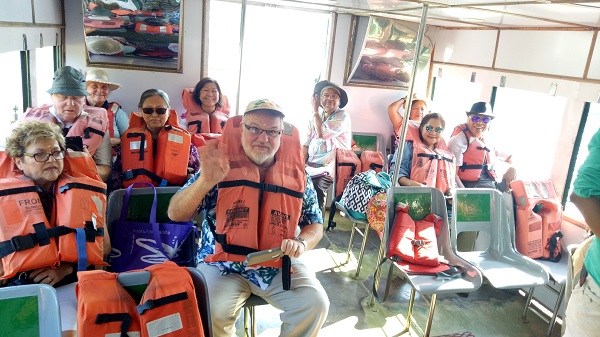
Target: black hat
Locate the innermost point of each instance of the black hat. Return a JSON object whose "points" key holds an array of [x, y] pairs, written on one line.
{"points": [[481, 108], [323, 84]]}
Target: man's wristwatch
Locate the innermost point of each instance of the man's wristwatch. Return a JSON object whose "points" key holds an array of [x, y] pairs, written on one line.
{"points": [[301, 240]]}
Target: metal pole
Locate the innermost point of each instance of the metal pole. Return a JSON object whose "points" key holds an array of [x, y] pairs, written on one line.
{"points": [[401, 139], [242, 31]]}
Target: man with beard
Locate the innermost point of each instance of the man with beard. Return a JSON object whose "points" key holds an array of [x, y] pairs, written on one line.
{"points": [[256, 195]]}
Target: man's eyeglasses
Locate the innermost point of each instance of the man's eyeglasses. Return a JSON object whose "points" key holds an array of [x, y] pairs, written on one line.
{"points": [[149, 111], [43, 157], [429, 128], [332, 96], [259, 131], [477, 119]]}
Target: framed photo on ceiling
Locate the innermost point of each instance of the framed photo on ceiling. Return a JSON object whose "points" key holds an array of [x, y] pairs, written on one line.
{"points": [[381, 52], [134, 34]]}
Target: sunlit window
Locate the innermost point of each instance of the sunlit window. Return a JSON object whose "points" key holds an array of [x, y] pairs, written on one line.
{"points": [[11, 104], [452, 98], [42, 78], [285, 53], [592, 125], [523, 126]]}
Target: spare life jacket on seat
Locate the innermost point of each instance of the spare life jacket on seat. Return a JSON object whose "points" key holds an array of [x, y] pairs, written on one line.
{"points": [[199, 121], [168, 165], [256, 215], [28, 240], [476, 158], [91, 126], [371, 160], [414, 242], [347, 164], [535, 227], [168, 307]]}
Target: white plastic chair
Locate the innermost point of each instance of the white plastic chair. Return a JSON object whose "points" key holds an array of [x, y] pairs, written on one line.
{"points": [[355, 228], [29, 310], [425, 200], [483, 210]]}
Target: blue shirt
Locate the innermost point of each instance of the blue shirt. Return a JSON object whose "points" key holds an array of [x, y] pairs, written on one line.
{"points": [[405, 162], [260, 276]]}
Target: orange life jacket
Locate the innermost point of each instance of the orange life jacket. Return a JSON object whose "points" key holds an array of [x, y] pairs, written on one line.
{"points": [[199, 121], [168, 307], [347, 164], [534, 229], [476, 158], [28, 238], [90, 127], [141, 27], [415, 242], [114, 22], [170, 163], [254, 215], [433, 168], [371, 160]]}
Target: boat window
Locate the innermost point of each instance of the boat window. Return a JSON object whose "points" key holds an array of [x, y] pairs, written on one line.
{"points": [[44, 71], [283, 56], [11, 104]]}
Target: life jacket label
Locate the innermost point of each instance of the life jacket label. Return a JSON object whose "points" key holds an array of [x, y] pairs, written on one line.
{"points": [[28, 207], [136, 145], [278, 223], [237, 217], [175, 138], [164, 325]]}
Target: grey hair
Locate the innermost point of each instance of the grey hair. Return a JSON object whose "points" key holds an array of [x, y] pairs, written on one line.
{"points": [[154, 92], [29, 132]]}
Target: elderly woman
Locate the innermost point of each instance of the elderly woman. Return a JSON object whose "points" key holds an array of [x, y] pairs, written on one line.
{"points": [[329, 129], [99, 87], [154, 115], [38, 151], [418, 109], [68, 110], [424, 161]]}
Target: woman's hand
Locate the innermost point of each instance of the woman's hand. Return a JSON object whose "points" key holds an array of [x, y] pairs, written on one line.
{"points": [[49, 275], [316, 103]]}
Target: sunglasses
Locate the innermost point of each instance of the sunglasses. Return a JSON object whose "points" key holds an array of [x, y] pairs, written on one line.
{"points": [[149, 111], [259, 131], [429, 128], [477, 119]]}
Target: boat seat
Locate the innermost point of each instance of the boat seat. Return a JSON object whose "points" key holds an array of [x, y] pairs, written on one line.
{"points": [[483, 210]]}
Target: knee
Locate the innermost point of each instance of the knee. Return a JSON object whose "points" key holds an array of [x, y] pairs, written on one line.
{"points": [[315, 300]]}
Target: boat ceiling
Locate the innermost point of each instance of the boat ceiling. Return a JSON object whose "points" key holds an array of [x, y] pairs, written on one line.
{"points": [[470, 14]]}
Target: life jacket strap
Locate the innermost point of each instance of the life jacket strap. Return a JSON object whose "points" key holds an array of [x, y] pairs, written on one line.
{"points": [[88, 130], [151, 304], [68, 186], [375, 166], [199, 123], [142, 137], [233, 249], [349, 164], [18, 243], [465, 166], [123, 317], [131, 174], [19, 190], [261, 186]]}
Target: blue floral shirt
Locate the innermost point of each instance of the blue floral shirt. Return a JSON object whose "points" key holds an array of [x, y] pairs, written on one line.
{"points": [[260, 276]]}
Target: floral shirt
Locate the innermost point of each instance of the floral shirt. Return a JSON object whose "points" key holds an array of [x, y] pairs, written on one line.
{"points": [[260, 276], [336, 131]]}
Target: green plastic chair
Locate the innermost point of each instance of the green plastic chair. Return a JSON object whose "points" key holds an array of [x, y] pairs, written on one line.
{"points": [[29, 311]]}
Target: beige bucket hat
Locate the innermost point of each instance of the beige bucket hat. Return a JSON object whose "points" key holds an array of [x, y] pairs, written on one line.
{"points": [[100, 76]]}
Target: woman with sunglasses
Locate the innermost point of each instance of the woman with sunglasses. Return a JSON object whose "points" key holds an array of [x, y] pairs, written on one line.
{"points": [[475, 158], [145, 128], [425, 160]]}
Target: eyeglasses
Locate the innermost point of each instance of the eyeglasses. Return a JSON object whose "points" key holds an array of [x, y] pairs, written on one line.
{"points": [[43, 157], [477, 119], [149, 111], [429, 128], [259, 131], [328, 96]]}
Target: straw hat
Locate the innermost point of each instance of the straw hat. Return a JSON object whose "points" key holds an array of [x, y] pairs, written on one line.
{"points": [[100, 76]]}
